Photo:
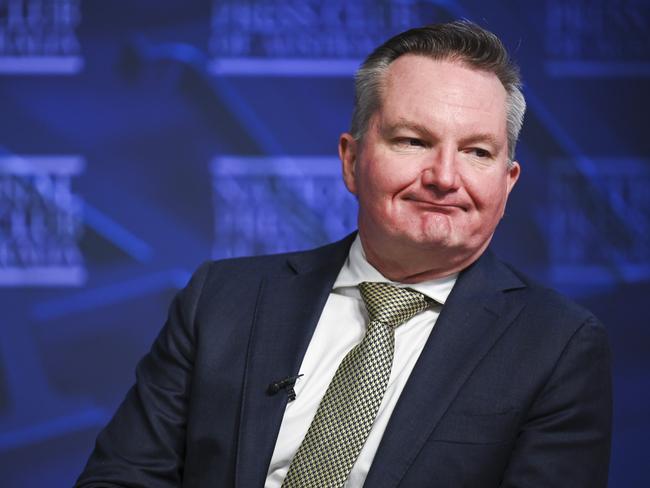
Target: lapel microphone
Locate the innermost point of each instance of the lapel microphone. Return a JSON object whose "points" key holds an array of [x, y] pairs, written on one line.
{"points": [[286, 384]]}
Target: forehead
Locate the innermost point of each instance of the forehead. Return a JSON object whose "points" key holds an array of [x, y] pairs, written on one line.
{"points": [[428, 90]]}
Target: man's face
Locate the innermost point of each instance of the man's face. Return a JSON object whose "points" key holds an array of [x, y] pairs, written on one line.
{"points": [[431, 171]]}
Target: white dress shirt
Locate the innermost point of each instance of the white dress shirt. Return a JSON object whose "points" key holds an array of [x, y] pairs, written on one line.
{"points": [[341, 326]]}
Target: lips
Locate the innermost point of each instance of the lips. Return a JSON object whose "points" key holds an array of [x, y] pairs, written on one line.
{"points": [[444, 207]]}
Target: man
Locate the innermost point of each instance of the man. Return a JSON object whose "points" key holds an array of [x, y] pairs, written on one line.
{"points": [[484, 380]]}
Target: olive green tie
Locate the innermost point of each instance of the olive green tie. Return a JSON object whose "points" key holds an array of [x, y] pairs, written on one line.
{"points": [[348, 409]]}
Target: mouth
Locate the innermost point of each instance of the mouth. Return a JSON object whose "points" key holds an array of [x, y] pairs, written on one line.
{"points": [[433, 206]]}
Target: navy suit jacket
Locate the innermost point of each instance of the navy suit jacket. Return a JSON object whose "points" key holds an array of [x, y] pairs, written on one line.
{"points": [[512, 388]]}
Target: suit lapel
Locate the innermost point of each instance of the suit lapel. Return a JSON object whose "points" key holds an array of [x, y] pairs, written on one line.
{"points": [[460, 339], [287, 311]]}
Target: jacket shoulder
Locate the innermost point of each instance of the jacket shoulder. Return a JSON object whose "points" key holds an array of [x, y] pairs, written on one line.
{"points": [[547, 303], [332, 254]]}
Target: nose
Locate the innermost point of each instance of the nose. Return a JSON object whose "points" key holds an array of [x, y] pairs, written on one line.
{"points": [[441, 171]]}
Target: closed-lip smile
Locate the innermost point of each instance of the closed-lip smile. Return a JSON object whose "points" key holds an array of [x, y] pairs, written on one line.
{"points": [[438, 206]]}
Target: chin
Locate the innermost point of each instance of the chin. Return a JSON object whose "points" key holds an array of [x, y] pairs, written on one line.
{"points": [[430, 240], [438, 234]]}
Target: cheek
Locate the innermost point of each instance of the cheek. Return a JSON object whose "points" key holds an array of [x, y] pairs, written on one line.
{"points": [[391, 176], [490, 205], [379, 181], [378, 194], [488, 191]]}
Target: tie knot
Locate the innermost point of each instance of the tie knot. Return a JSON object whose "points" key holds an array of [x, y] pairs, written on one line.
{"points": [[391, 305]]}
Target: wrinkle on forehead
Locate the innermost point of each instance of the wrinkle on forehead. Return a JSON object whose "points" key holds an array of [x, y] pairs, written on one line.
{"points": [[457, 74], [407, 89]]}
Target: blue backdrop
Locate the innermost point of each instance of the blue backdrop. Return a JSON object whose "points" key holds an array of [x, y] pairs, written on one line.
{"points": [[138, 139]]}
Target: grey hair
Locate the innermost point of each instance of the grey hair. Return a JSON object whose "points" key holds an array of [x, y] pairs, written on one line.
{"points": [[460, 40]]}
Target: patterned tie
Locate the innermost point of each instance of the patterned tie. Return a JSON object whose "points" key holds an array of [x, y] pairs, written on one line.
{"points": [[348, 409]]}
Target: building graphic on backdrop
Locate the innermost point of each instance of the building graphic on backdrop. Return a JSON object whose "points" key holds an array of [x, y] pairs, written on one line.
{"points": [[598, 39], [306, 37], [38, 37], [40, 222], [600, 221], [274, 204]]}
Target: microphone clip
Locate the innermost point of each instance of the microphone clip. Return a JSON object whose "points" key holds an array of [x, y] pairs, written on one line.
{"points": [[286, 384]]}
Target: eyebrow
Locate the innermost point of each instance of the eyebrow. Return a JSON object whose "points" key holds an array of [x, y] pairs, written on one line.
{"points": [[404, 124], [482, 137]]}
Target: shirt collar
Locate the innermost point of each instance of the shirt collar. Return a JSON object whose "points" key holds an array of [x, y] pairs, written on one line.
{"points": [[357, 269]]}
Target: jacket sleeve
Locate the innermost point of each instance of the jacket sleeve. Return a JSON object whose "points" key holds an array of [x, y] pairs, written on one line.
{"points": [[143, 445], [565, 440]]}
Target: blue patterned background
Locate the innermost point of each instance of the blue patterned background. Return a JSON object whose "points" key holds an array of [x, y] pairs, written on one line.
{"points": [[138, 139]]}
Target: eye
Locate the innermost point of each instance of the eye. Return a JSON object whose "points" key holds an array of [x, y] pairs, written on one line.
{"points": [[409, 142], [480, 152]]}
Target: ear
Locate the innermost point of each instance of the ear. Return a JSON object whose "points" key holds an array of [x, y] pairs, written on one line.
{"points": [[348, 148], [513, 175]]}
